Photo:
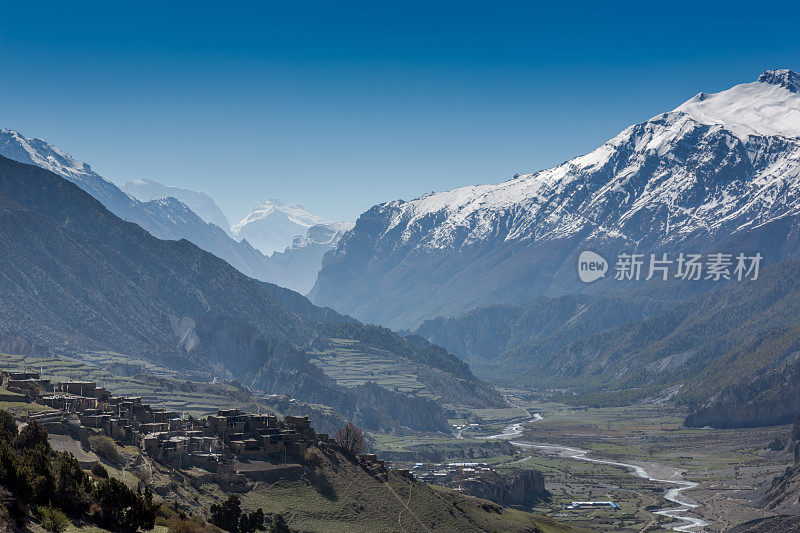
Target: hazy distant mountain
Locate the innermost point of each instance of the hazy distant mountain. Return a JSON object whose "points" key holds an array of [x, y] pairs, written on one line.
{"points": [[273, 225], [74, 277], [297, 266], [718, 166], [163, 218], [164, 214], [201, 203]]}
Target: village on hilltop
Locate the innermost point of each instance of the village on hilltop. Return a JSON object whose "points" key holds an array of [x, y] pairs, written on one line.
{"points": [[230, 443]]}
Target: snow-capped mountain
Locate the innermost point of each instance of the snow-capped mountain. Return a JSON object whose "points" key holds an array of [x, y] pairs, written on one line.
{"points": [[323, 234], [164, 218], [272, 225], [162, 211], [715, 168], [39, 152], [199, 202]]}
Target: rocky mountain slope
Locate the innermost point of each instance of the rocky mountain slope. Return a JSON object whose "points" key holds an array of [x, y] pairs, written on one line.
{"points": [[504, 342], [202, 204], [732, 352], [76, 278], [164, 218], [717, 167], [784, 493]]}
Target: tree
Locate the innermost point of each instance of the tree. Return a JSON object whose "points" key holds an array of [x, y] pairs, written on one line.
{"points": [[279, 525], [252, 522], [124, 509], [351, 439], [229, 516], [314, 457], [32, 436], [8, 426], [33, 476], [99, 470], [70, 483], [106, 448], [226, 516]]}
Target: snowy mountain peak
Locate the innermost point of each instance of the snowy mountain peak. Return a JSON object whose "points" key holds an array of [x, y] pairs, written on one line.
{"points": [[785, 78], [767, 107], [39, 152], [294, 212], [273, 202], [716, 167], [272, 225]]}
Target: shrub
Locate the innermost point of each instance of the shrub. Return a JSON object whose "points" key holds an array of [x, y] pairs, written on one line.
{"points": [[186, 525], [279, 525], [143, 474], [53, 519], [314, 457], [100, 471], [106, 448]]}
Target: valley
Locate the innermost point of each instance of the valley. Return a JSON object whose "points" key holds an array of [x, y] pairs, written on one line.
{"points": [[633, 456], [732, 468], [607, 339], [333, 490]]}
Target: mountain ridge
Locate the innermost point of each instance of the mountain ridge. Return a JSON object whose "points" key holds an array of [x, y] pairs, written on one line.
{"points": [[173, 220], [202, 204], [684, 178], [77, 278]]}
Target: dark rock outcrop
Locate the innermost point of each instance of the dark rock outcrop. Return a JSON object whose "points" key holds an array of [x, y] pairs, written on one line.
{"points": [[784, 493], [520, 488], [16, 345]]}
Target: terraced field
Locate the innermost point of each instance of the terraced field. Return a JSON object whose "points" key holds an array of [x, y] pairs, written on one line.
{"points": [[352, 365], [156, 386]]}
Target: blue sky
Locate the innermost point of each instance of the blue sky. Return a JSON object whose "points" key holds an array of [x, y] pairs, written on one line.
{"points": [[341, 105]]}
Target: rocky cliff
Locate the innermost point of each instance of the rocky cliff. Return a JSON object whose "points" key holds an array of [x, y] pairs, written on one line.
{"points": [[519, 488], [784, 493]]}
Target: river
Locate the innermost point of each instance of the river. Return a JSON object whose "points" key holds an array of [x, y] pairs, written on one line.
{"points": [[673, 493]]}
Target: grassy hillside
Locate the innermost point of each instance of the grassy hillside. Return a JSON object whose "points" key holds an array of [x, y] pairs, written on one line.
{"points": [[334, 493], [340, 496]]}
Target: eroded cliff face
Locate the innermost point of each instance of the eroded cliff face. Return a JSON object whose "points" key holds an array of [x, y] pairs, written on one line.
{"points": [[238, 350], [14, 344], [784, 493], [769, 399], [521, 488], [375, 406]]}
